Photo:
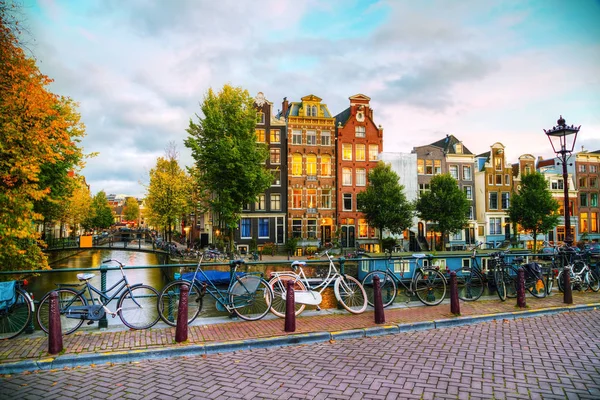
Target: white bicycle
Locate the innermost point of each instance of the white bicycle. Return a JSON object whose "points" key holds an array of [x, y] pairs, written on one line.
{"points": [[348, 290]]}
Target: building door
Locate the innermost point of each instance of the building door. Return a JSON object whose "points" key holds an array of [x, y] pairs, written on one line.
{"points": [[325, 234], [351, 237]]}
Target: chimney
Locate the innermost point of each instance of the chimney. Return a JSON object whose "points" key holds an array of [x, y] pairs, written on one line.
{"points": [[284, 107]]}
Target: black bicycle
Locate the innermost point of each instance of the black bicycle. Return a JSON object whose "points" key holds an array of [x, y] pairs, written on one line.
{"points": [[16, 308]]}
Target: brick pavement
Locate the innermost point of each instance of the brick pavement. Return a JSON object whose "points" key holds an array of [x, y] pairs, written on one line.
{"points": [[35, 347]]}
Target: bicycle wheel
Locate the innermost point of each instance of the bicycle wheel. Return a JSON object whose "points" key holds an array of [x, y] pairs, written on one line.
{"points": [[500, 283], [278, 286], [351, 294], [470, 284], [430, 286], [138, 307], [549, 281], [168, 302], [66, 298], [594, 280], [251, 297], [386, 284], [15, 318], [510, 281], [535, 285]]}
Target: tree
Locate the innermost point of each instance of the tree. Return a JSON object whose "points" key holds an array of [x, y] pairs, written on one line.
{"points": [[39, 132], [230, 162], [101, 215], [131, 211], [383, 202], [79, 205], [533, 207], [445, 205]]}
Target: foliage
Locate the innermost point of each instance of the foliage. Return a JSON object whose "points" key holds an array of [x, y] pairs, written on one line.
{"points": [[101, 215], [445, 205], [131, 210], [291, 245], [39, 138], [79, 205], [388, 244], [533, 207], [230, 162], [383, 202], [269, 248]]}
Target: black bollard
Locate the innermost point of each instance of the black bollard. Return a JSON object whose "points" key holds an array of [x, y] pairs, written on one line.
{"points": [[290, 307], [454, 301], [181, 331], [55, 339], [568, 293], [521, 288], [377, 301]]}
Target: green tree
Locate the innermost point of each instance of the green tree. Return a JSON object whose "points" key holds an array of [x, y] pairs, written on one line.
{"points": [[445, 205], [230, 162], [131, 210], [533, 207], [383, 201], [79, 205], [101, 215]]}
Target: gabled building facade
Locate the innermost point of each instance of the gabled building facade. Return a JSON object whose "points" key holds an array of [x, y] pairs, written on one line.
{"points": [[359, 142], [587, 170]]}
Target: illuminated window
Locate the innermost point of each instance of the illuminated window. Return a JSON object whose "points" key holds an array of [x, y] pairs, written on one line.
{"points": [[347, 176], [360, 152], [275, 202], [437, 167], [275, 136], [326, 165], [311, 165], [297, 198], [260, 135], [297, 164], [373, 152], [261, 202], [420, 167], [429, 167], [311, 198], [583, 222], [363, 228], [347, 151], [326, 198], [275, 156]]}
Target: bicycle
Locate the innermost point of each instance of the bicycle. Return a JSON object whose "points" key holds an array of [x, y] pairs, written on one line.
{"points": [[136, 306], [534, 279], [427, 283], [506, 284], [582, 276], [347, 289], [16, 308], [248, 295]]}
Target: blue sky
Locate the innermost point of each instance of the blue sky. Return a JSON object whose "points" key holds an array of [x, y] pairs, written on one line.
{"points": [[484, 71]]}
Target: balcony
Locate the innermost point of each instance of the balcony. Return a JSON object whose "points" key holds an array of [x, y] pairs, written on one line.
{"points": [[311, 178], [311, 210]]}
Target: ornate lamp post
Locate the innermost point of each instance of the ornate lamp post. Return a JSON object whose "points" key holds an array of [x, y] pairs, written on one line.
{"points": [[559, 139]]}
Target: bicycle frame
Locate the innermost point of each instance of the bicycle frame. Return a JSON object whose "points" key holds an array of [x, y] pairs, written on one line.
{"points": [[103, 299], [332, 275], [411, 288]]}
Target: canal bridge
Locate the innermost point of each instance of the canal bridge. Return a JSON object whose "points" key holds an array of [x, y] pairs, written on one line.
{"points": [[129, 240]]}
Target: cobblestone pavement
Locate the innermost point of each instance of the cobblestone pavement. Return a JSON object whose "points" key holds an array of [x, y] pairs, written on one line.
{"points": [[553, 357]]}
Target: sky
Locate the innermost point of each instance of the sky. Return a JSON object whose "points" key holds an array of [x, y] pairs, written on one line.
{"points": [[483, 71]]}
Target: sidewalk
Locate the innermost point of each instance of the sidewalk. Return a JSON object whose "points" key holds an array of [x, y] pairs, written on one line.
{"points": [[216, 335]]}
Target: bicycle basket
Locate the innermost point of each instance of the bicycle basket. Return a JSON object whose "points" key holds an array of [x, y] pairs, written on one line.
{"points": [[7, 294], [246, 284]]}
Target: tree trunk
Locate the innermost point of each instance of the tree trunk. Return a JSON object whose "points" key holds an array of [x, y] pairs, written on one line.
{"points": [[534, 233]]}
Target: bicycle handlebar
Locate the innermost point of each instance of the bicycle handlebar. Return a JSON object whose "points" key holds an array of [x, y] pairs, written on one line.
{"points": [[111, 260]]}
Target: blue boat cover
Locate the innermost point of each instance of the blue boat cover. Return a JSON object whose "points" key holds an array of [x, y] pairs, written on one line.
{"points": [[7, 294], [216, 277]]}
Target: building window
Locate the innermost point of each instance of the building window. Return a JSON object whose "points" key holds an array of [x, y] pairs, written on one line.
{"points": [[347, 201], [275, 136], [593, 182], [593, 199], [260, 117], [424, 187], [297, 164], [457, 236], [276, 177], [471, 214], [498, 163], [429, 167], [314, 111], [373, 152], [311, 137], [468, 192], [582, 182], [594, 222], [557, 184], [437, 167], [245, 231], [593, 168], [347, 151], [421, 167], [581, 167], [296, 136], [527, 169], [493, 200], [275, 202], [311, 228], [454, 171], [297, 198], [325, 138], [347, 176], [326, 165], [360, 152], [505, 200], [490, 179], [583, 222], [363, 228], [311, 165], [361, 177], [246, 207], [583, 199], [297, 228], [261, 203], [498, 179], [466, 172], [275, 156], [263, 228], [326, 198], [360, 131], [260, 135], [495, 226], [507, 180], [311, 198]]}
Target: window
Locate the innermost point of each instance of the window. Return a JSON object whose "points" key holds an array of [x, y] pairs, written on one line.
{"points": [[296, 136], [505, 200], [347, 151], [468, 192], [311, 165], [557, 184], [314, 111], [429, 167], [581, 167], [420, 167], [437, 167], [498, 163], [490, 179], [495, 226], [593, 199], [527, 169], [360, 131], [275, 202], [347, 201], [583, 199], [424, 187], [263, 228], [593, 168], [360, 152], [593, 182], [347, 176], [457, 236], [245, 228], [276, 177], [454, 171], [261, 203], [498, 179], [246, 207], [311, 228], [458, 148], [260, 135], [493, 200], [326, 165], [471, 215], [325, 138], [582, 182], [260, 117], [363, 228], [297, 228], [275, 156], [326, 198], [275, 136], [466, 172], [594, 222], [373, 151], [507, 180], [311, 198], [311, 137], [583, 222], [297, 198], [297, 164], [361, 177]]}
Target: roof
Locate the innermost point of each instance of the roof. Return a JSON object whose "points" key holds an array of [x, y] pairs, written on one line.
{"points": [[448, 145], [342, 117]]}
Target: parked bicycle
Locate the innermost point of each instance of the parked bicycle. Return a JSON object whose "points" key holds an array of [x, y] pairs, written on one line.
{"points": [[504, 279], [79, 302], [582, 276], [427, 282], [534, 277], [347, 289], [248, 295], [16, 308]]}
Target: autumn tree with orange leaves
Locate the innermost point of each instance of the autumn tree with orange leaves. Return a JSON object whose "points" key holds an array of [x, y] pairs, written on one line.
{"points": [[40, 134]]}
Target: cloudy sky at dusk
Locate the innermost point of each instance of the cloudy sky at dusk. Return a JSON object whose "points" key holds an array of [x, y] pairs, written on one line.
{"points": [[485, 71]]}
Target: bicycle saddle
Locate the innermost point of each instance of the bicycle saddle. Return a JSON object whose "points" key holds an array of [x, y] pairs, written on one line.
{"points": [[85, 277], [421, 255], [297, 263], [237, 262]]}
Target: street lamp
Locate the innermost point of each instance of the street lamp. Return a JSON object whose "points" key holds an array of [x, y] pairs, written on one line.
{"points": [[559, 139]]}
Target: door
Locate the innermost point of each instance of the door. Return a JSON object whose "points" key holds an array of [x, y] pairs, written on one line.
{"points": [[351, 237]]}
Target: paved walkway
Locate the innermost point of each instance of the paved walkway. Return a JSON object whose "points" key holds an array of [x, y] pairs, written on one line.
{"points": [[216, 335]]}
